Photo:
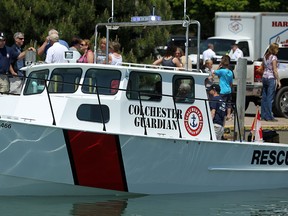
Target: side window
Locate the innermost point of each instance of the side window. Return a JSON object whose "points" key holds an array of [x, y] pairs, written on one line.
{"points": [[283, 54], [93, 113], [106, 81], [183, 89], [244, 47], [35, 82], [64, 80], [146, 85]]}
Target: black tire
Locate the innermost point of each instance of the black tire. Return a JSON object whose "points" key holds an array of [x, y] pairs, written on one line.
{"points": [[280, 107]]}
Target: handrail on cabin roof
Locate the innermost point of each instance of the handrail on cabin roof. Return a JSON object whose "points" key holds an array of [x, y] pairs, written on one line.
{"points": [[184, 23]]}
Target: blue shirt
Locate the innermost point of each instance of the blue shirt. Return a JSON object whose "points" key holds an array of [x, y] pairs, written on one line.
{"points": [[225, 80], [219, 105], [6, 57], [17, 64]]}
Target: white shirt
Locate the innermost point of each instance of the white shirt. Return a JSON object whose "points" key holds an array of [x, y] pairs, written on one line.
{"points": [[235, 55], [208, 54], [116, 60], [55, 54]]}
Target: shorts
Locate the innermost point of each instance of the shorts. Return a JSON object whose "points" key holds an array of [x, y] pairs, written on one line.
{"points": [[228, 99], [4, 83], [219, 131]]}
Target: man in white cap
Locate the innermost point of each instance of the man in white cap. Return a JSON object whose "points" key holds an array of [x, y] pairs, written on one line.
{"points": [[55, 54]]}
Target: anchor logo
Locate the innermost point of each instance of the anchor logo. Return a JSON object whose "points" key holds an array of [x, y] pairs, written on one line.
{"points": [[193, 124], [193, 120]]}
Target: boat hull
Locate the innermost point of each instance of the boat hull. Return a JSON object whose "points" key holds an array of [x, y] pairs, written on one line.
{"points": [[41, 160]]}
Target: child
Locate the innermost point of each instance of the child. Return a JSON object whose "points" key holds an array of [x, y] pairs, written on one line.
{"points": [[225, 81]]}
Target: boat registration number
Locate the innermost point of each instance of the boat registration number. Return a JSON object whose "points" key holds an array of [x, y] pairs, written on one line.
{"points": [[5, 125]]}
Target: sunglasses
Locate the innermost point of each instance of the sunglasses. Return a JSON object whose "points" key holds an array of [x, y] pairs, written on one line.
{"points": [[21, 38], [82, 44]]}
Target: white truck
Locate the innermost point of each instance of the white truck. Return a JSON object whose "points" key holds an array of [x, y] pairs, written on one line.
{"points": [[253, 32]]}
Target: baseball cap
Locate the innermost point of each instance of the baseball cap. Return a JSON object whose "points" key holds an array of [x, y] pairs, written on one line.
{"points": [[215, 87], [2, 36]]}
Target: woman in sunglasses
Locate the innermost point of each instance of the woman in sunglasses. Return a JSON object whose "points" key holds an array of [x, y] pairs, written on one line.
{"points": [[87, 54]]}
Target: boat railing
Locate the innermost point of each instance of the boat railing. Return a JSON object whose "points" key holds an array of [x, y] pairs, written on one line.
{"points": [[141, 95], [150, 66], [116, 25]]}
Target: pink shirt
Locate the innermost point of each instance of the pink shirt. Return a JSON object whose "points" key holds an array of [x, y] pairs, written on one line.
{"points": [[268, 66], [83, 58]]}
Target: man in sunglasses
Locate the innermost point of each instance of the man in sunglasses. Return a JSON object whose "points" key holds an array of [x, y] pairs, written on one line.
{"points": [[18, 62]]}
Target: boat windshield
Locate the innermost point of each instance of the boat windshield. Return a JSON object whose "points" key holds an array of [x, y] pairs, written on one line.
{"points": [[66, 80]]}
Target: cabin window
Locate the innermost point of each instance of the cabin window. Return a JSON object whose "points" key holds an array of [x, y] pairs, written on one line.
{"points": [[35, 83], [244, 46], [93, 113], [183, 89], [64, 80], [147, 86], [104, 80]]}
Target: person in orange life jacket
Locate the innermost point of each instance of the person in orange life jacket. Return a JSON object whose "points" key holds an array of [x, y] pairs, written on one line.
{"points": [[168, 59]]}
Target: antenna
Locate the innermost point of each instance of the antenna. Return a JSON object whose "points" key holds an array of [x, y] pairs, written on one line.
{"points": [[112, 11], [184, 9]]}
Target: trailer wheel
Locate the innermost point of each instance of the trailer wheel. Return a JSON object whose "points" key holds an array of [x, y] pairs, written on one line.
{"points": [[281, 102]]}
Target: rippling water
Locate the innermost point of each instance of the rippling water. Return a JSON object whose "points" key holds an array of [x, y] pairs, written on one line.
{"points": [[254, 203]]}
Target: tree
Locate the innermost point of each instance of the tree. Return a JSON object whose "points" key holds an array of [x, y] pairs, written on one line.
{"points": [[79, 17]]}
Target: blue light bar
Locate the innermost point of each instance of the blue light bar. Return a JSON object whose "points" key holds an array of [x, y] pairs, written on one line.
{"points": [[145, 18]]}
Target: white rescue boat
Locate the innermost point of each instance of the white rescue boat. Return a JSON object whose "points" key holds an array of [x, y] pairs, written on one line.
{"points": [[94, 129]]}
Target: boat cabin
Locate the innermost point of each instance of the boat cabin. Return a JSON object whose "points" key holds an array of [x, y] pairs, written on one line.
{"points": [[134, 99]]}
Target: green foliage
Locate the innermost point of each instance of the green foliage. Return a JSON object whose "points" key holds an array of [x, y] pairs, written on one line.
{"points": [[269, 5], [79, 17]]}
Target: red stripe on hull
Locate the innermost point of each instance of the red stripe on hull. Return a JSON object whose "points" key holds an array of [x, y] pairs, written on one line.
{"points": [[96, 160]]}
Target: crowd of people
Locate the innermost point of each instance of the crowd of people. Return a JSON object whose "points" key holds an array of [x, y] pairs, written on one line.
{"points": [[222, 94], [12, 59]]}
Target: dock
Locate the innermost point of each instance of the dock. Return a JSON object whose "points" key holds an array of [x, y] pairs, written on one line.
{"points": [[280, 125]]}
